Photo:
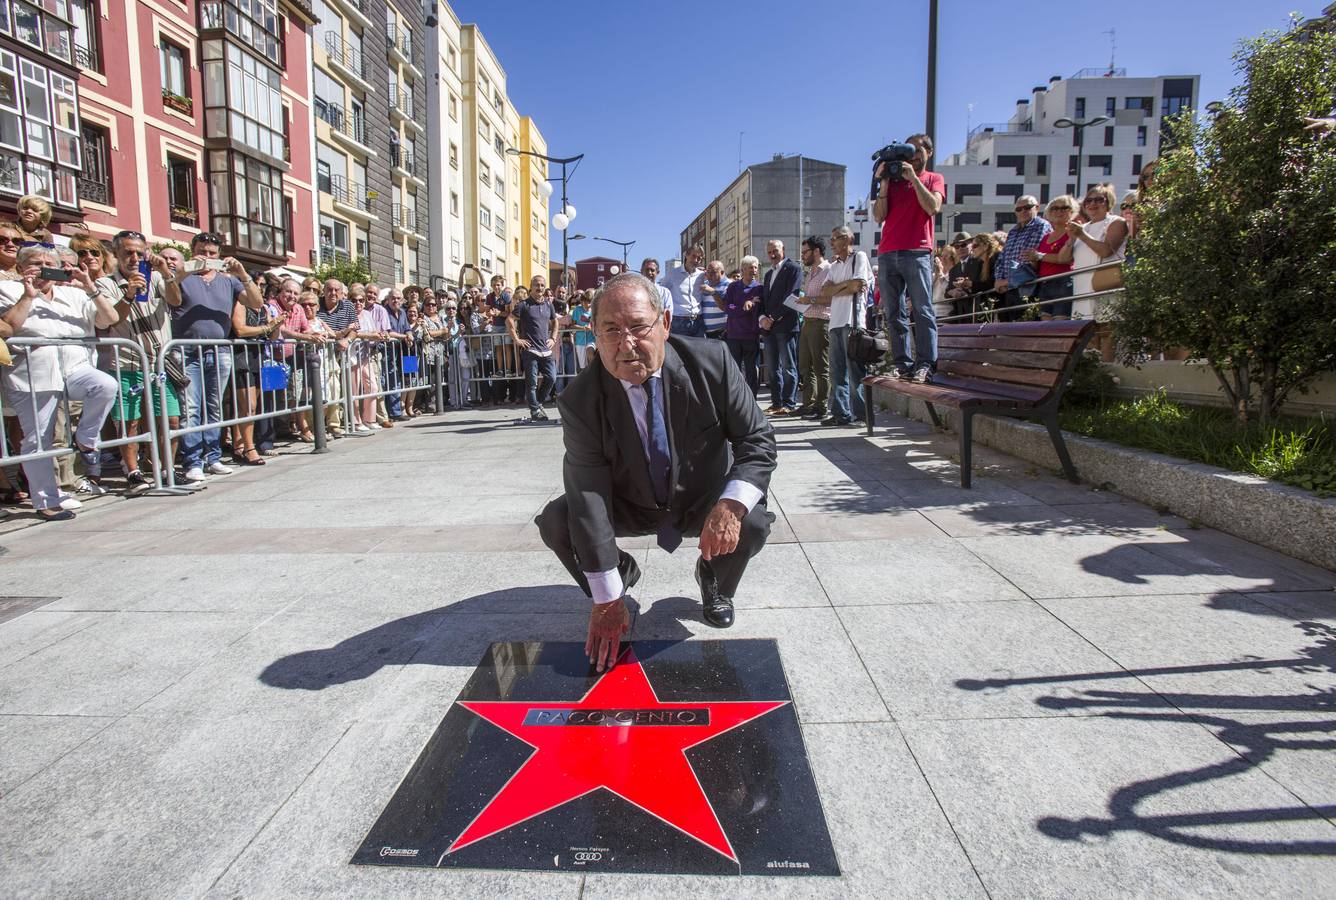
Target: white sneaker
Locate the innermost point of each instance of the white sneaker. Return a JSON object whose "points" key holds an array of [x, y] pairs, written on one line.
{"points": [[68, 502], [362, 429], [373, 426], [195, 475], [217, 468], [90, 487]]}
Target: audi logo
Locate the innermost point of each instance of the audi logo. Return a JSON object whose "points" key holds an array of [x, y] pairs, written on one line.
{"points": [[588, 856]]}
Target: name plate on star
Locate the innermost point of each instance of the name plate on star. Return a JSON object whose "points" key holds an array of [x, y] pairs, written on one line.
{"points": [[685, 758]]}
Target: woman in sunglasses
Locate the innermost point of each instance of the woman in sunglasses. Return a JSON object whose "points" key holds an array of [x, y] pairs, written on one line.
{"points": [[11, 238], [1102, 238]]}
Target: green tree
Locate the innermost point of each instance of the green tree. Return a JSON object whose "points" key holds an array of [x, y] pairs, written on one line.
{"points": [[1236, 255], [346, 270]]}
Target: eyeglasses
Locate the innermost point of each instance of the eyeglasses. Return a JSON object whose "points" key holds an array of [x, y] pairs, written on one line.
{"points": [[451, 308], [137, 235], [88, 251], [615, 335], [1101, 201], [1128, 206], [9, 241], [1025, 207]]}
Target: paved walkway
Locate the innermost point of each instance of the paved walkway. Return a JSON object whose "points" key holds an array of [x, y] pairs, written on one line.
{"points": [[1030, 689]]}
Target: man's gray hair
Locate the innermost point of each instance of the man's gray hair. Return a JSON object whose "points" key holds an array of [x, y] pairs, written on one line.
{"points": [[1027, 200], [647, 260], [623, 281], [27, 253], [342, 286], [844, 230], [120, 239]]}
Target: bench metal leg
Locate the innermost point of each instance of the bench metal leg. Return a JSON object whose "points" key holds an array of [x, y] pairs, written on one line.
{"points": [[1055, 434], [966, 429], [867, 408], [932, 414]]}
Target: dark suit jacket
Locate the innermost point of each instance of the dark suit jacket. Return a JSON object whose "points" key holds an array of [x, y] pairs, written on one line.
{"points": [[788, 278], [716, 433]]}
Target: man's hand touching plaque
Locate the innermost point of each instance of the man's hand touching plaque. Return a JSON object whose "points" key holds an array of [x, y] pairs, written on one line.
{"points": [[607, 623]]}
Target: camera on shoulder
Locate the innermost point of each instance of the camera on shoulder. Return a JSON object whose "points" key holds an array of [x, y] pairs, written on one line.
{"points": [[892, 155]]}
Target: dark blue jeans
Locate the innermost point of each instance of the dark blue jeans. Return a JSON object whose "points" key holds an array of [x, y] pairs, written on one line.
{"points": [[901, 272], [689, 327], [781, 358], [535, 366]]}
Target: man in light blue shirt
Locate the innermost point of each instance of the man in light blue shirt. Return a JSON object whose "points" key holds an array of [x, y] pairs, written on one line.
{"points": [[712, 286], [683, 284]]}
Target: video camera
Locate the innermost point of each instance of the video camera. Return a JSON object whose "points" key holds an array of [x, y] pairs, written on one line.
{"points": [[892, 155]]}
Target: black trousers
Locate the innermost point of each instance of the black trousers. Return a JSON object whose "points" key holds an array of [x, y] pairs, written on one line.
{"points": [[555, 527]]}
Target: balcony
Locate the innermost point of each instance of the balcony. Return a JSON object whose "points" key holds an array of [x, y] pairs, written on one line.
{"points": [[330, 254], [345, 127], [1100, 72], [408, 220], [355, 9], [1026, 127], [399, 45], [94, 191], [347, 61], [185, 215], [350, 198], [89, 58], [405, 164], [401, 104], [181, 104]]}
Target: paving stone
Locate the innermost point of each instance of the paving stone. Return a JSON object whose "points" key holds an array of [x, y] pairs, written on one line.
{"points": [[908, 570], [29, 744], [778, 576], [982, 660], [1147, 805]]}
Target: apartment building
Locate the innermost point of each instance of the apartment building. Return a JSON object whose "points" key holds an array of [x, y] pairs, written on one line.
{"points": [[369, 96], [1030, 154], [486, 166], [195, 115], [533, 202], [785, 199]]}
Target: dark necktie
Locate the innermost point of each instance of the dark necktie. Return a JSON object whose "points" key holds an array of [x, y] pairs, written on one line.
{"points": [[660, 462]]}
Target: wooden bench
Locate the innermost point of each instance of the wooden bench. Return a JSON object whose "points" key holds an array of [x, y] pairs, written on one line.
{"points": [[1017, 370]]}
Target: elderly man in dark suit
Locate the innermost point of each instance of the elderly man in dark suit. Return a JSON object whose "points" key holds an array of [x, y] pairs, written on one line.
{"points": [[662, 437], [780, 326]]}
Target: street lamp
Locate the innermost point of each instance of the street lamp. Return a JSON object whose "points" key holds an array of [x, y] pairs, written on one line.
{"points": [[625, 245], [562, 219], [1080, 127]]}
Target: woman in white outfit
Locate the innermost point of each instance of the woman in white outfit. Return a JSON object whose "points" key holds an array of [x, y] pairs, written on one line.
{"points": [[1103, 238], [41, 376]]}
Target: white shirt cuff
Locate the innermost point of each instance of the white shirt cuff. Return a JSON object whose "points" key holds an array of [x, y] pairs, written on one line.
{"points": [[605, 586], [743, 492]]}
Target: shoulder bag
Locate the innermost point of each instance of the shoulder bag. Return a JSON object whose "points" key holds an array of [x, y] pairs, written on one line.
{"points": [[867, 348]]}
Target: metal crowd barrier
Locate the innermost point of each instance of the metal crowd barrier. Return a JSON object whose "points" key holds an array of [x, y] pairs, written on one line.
{"points": [[989, 313], [376, 369], [11, 398], [484, 366]]}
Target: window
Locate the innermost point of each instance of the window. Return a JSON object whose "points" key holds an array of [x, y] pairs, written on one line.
{"points": [[453, 104], [333, 238], [500, 147], [361, 242], [86, 31], [1142, 103], [95, 182], [1136, 164], [454, 204], [242, 99], [1108, 135], [1006, 220], [455, 251], [181, 190], [175, 76], [485, 129], [1080, 107], [454, 157], [1072, 165], [245, 196], [1110, 105], [452, 60], [45, 29], [858, 238], [1043, 192], [1041, 165], [1071, 188], [485, 174], [288, 230], [1141, 135], [39, 131], [323, 177], [968, 218], [1171, 106], [253, 22], [1010, 190], [1105, 163], [1012, 162], [965, 191], [485, 217], [485, 259]]}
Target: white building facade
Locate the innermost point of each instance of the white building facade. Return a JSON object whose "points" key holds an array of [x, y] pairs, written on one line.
{"points": [[1029, 154]]}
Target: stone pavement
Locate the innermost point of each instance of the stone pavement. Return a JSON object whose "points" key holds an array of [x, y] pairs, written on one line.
{"points": [[1030, 689]]}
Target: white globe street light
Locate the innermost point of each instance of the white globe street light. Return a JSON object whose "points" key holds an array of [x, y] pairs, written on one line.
{"points": [[614, 269], [569, 212], [560, 221], [545, 188]]}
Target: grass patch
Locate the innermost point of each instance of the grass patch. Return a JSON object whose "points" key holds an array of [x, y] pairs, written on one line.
{"points": [[1299, 452]]}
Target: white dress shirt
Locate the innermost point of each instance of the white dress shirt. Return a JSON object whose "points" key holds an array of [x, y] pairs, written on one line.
{"points": [[684, 288], [607, 586], [849, 309]]}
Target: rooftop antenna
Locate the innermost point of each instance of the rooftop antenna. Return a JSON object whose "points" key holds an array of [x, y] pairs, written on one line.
{"points": [[740, 134], [1113, 48], [969, 124]]}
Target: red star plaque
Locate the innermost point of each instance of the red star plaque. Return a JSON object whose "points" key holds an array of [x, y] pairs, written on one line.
{"points": [[620, 737]]}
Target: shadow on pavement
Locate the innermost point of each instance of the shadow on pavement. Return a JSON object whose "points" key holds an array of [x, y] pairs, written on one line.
{"points": [[1249, 744]]}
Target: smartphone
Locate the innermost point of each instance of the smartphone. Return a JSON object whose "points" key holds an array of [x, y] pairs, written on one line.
{"points": [[147, 272], [204, 265], [48, 274]]}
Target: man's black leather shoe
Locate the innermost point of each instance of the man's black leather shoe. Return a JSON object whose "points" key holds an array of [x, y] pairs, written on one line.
{"points": [[629, 571], [718, 609]]}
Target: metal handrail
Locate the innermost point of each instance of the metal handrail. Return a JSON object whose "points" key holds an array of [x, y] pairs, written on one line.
{"points": [[975, 297]]}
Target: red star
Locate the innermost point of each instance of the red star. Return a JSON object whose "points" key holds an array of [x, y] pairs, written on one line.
{"points": [[643, 764]]}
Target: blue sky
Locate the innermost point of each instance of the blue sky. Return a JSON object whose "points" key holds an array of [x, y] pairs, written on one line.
{"points": [[655, 93]]}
